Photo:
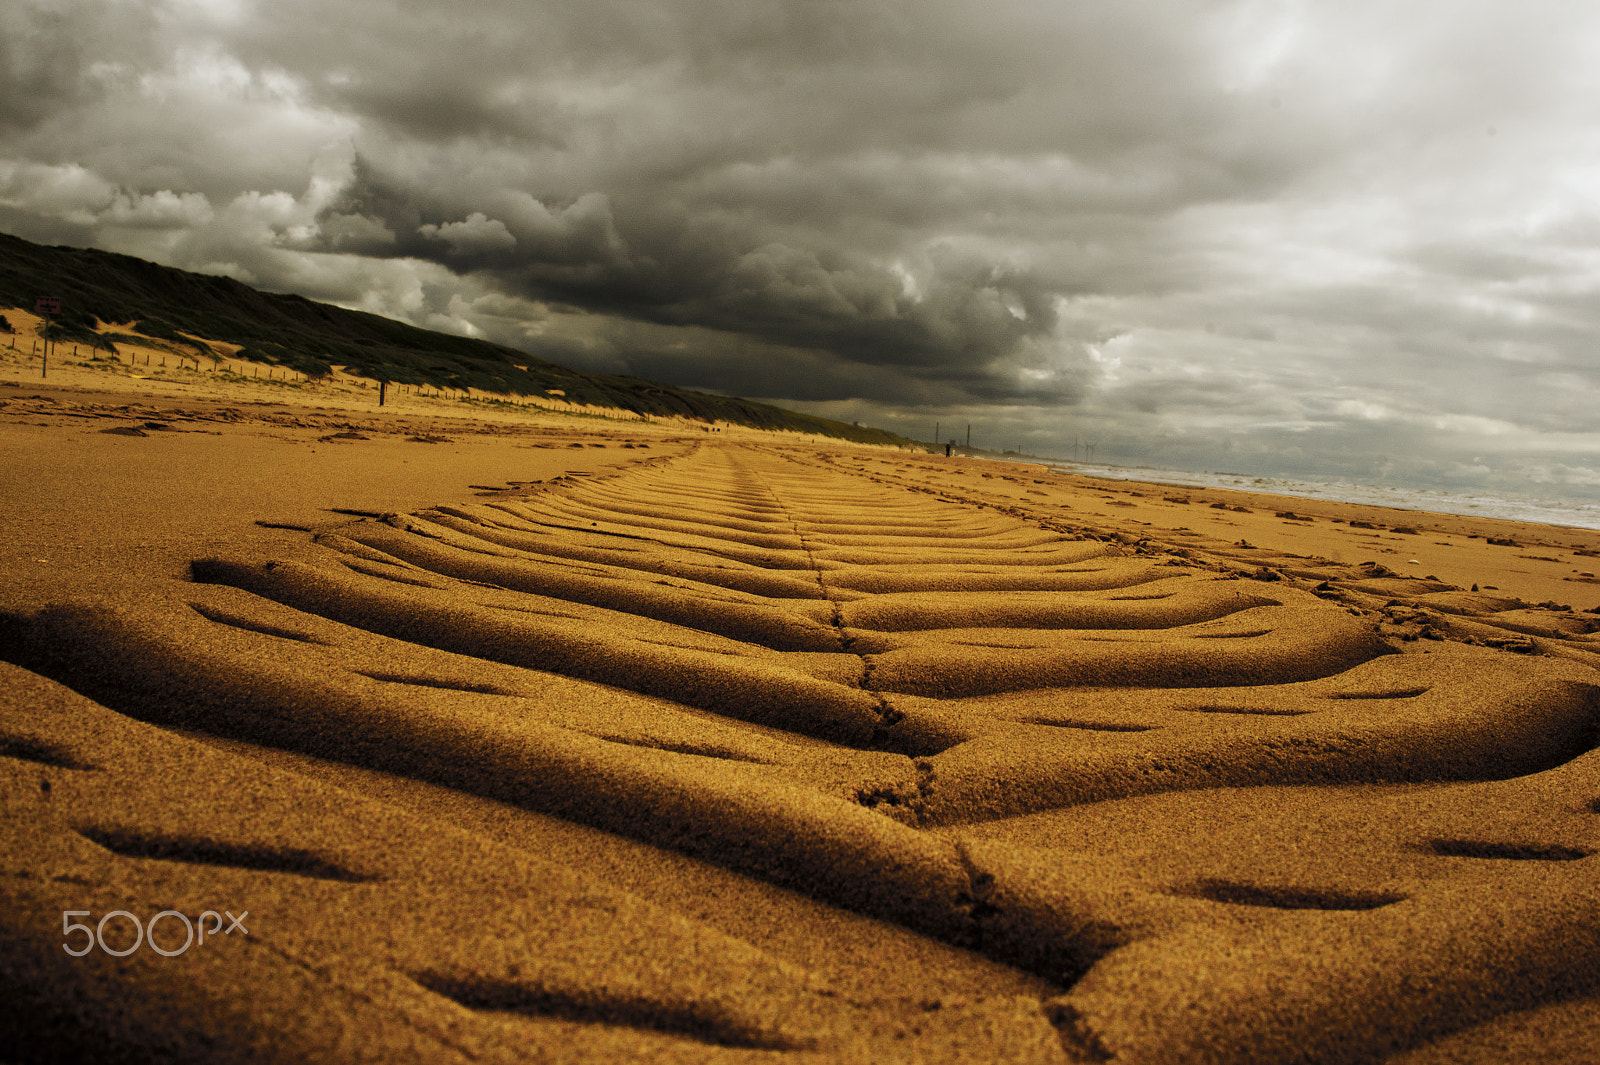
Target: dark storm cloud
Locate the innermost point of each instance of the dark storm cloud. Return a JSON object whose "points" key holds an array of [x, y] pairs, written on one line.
{"points": [[807, 176], [59, 56], [1261, 227], [848, 179], [785, 285]]}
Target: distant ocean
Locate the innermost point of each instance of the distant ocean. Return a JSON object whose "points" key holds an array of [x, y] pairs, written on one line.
{"points": [[1545, 510]]}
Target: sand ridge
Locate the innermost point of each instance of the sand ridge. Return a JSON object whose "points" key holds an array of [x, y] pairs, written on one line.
{"points": [[1082, 792]]}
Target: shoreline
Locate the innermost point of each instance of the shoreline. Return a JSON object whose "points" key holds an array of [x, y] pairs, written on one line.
{"points": [[1354, 488]]}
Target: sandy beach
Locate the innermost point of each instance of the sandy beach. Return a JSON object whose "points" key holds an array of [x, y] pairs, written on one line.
{"points": [[520, 735]]}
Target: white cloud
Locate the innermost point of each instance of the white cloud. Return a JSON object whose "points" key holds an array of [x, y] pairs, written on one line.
{"points": [[66, 191], [476, 235], [159, 210]]}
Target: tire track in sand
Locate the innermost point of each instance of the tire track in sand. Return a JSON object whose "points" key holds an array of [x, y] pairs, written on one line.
{"points": [[893, 703]]}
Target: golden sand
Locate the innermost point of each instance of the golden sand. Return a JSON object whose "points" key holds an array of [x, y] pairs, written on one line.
{"points": [[577, 740]]}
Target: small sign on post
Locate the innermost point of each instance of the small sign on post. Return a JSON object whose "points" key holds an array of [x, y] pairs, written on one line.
{"points": [[48, 307]]}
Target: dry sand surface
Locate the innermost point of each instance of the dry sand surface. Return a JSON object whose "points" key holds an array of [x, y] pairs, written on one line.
{"points": [[564, 739]]}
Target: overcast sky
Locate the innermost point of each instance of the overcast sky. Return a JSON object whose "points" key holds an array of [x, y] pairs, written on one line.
{"points": [[1354, 239]]}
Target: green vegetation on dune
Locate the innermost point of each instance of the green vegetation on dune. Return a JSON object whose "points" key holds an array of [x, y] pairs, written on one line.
{"points": [[286, 330]]}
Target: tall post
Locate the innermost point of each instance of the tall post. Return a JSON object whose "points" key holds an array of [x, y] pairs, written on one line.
{"points": [[969, 435], [48, 307], [383, 391]]}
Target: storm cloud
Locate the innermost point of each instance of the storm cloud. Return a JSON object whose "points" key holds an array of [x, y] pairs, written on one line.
{"points": [[1357, 240]]}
